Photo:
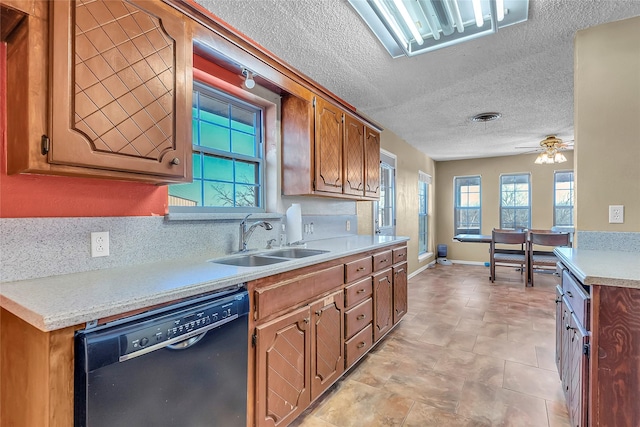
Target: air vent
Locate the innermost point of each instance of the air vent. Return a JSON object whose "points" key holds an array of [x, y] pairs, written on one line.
{"points": [[486, 117]]}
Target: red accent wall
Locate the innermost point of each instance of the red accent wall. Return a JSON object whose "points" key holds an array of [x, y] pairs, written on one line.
{"points": [[23, 196]]}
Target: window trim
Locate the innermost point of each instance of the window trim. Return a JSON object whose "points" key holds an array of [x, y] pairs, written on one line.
{"points": [[529, 191], [456, 206], [572, 192]]}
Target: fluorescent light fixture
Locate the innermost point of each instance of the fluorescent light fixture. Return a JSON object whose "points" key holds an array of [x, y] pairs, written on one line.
{"points": [[412, 27], [500, 7], [408, 21], [477, 13]]}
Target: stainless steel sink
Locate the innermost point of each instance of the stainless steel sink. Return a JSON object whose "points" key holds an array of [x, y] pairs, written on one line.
{"points": [[295, 252], [249, 260], [268, 258]]}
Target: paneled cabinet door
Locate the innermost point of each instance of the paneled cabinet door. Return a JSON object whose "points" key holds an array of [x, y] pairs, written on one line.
{"points": [[283, 349], [328, 147], [559, 329], [383, 303], [353, 156], [327, 349], [121, 92], [578, 373], [400, 298], [372, 163]]}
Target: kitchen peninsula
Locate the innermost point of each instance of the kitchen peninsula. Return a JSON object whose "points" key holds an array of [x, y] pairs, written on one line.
{"points": [[598, 336]]}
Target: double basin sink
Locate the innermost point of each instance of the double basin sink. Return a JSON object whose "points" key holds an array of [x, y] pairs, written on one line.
{"points": [[268, 258]]}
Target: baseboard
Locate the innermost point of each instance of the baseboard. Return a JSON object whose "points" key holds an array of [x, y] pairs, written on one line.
{"points": [[421, 269], [459, 261]]}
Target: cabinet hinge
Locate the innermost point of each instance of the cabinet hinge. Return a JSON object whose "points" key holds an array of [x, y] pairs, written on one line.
{"points": [[45, 145], [586, 350], [314, 102], [254, 340]]}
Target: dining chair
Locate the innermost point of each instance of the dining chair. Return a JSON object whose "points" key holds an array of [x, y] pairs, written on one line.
{"points": [[544, 258], [512, 250]]}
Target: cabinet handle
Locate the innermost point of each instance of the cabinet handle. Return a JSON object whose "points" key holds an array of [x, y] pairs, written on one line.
{"points": [[360, 269], [175, 161], [361, 344], [361, 291], [568, 327], [401, 255], [384, 260], [306, 320], [570, 294], [558, 300], [360, 317], [319, 313]]}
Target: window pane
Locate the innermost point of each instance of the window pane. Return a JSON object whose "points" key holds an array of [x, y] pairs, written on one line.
{"points": [[213, 110], [246, 173], [186, 194], [197, 166], [218, 194], [242, 143], [563, 199], [243, 119], [213, 136], [217, 168], [246, 195]]}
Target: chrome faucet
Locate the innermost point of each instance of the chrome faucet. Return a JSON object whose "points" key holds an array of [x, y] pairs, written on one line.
{"points": [[245, 233]]}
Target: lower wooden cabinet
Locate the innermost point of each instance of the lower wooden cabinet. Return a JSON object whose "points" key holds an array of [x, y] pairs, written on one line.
{"points": [[298, 356], [283, 355], [400, 297], [383, 303]]}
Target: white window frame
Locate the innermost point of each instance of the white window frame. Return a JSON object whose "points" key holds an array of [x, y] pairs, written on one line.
{"points": [[424, 181], [572, 193], [514, 207], [457, 206]]}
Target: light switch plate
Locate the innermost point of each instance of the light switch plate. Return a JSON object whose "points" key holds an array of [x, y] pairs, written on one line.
{"points": [[616, 214]]}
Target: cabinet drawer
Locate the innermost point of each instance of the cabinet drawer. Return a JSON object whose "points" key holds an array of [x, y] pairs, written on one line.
{"points": [[399, 255], [357, 269], [358, 317], [358, 345], [292, 293], [382, 260], [357, 292], [577, 299]]}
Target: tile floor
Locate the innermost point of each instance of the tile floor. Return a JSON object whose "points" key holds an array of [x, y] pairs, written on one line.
{"points": [[468, 353]]}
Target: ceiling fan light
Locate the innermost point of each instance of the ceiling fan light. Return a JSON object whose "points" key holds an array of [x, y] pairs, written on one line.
{"points": [[540, 159], [559, 158]]}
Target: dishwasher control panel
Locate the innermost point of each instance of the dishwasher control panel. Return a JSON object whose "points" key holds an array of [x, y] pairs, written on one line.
{"points": [[179, 325]]}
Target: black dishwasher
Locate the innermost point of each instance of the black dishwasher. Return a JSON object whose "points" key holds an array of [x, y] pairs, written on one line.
{"points": [[184, 365]]}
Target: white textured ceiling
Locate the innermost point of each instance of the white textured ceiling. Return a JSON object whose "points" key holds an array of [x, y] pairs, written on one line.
{"points": [[523, 71]]}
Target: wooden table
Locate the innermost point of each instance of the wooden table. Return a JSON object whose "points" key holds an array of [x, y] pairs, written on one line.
{"points": [[472, 238]]}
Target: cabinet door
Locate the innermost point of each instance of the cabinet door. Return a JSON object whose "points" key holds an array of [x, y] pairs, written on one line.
{"points": [[383, 303], [327, 349], [565, 346], [399, 292], [353, 156], [121, 98], [559, 329], [328, 147], [372, 163], [282, 368], [578, 368]]}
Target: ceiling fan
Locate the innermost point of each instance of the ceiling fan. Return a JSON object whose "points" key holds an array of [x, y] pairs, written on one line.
{"points": [[551, 148]]}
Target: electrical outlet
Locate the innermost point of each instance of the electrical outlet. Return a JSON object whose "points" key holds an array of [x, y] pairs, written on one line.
{"points": [[616, 214], [348, 225], [99, 243]]}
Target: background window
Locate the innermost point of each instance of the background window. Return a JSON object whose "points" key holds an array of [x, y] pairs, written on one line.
{"points": [[563, 198], [468, 205], [227, 155], [515, 201], [423, 212], [384, 208]]}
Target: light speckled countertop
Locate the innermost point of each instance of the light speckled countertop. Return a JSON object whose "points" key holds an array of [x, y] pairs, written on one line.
{"points": [[56, 302], [607, 268]]}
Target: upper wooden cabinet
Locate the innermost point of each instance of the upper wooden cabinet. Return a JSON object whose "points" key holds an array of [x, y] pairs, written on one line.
{"points": [[119, 93], [327, 151]]}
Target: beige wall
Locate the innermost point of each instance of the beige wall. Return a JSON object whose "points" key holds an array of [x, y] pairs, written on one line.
{"points": [[409, 162], [607, 125], [490, 170]]}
